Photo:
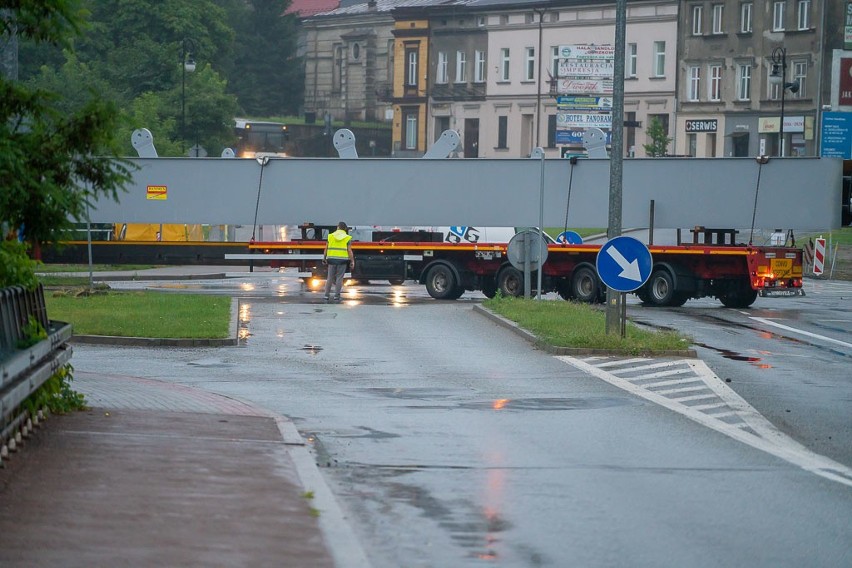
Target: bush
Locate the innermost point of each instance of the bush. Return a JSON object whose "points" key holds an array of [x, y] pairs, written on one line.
{"points": [[56, 394], [16, 267]]}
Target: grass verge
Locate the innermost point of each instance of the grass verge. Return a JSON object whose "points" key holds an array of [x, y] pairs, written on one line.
{"points": [[143, 314], [51, 268], [568, 324]]}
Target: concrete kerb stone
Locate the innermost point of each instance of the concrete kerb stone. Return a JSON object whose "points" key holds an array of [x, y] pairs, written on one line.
{"points": [[231, 341], [573, 351]]}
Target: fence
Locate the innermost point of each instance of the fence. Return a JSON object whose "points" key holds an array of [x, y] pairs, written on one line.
{"points": [[23, 371]]}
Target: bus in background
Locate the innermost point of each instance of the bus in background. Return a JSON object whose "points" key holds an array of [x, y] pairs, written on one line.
{"points": [[257, 138]]}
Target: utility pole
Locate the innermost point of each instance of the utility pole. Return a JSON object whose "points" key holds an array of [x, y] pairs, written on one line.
{"points": [[614, 298]]}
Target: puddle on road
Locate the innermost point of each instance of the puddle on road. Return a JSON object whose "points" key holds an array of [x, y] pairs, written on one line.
{"points": [[734, 356], [311, 349], [547, 403]]}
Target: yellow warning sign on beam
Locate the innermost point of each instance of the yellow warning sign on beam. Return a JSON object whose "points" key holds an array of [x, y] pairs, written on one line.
{"points": [[157, 192]]}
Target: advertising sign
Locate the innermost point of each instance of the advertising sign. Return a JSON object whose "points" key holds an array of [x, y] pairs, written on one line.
{"points": [[158, 192], [586, 68], [584, 86], [705, 125], [575, 137], [845, 94], [847, 29], [579, 102], [836, 135], [587, 51], [770, 124], [565, 120]]}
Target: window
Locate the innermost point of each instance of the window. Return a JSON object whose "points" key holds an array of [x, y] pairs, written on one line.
{"points": [[745, 18], [715, 93], [411, 130], [659, 59], [411, 66], [554, 16], [554, 61], [461, 67], [480, 21], [551, 131], [630, 66], [718, 13], [529, 67], [441, 74], [502, 131], [529, 18], [691, 144], [804, 14], [504, 64], [744, 82], [337, 71], [697, 12], [504, 19], [710, 145], [800, 74], [694, 85], [479, 71], [778, 9]]}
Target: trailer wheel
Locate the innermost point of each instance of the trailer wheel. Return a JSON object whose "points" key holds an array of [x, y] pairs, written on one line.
{"points": [[441, 283], [489, 287], [743, 297], [585, 286], [660, 290], [510, 282]]}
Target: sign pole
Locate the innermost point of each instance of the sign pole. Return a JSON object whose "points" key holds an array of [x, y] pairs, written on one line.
{"points": [[613, 298]]}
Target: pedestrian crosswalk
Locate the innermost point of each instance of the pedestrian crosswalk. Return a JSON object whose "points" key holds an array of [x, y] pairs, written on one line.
{"points": [[689, 387]]}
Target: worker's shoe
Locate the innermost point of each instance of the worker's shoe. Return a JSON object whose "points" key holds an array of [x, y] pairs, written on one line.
{"points": [[326, 299]]}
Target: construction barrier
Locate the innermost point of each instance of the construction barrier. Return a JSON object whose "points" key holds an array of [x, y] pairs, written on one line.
{"points": [[819, 256]]}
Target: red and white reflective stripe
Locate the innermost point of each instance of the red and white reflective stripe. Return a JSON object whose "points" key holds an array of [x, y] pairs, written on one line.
{"points": [[819, 256]]}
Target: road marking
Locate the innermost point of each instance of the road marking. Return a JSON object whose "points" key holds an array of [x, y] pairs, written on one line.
{"points": [[802, 332], [749, 426]]}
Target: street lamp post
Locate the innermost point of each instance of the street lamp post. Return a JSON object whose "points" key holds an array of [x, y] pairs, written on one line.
{"points": [[778, 76], [187, 64]]}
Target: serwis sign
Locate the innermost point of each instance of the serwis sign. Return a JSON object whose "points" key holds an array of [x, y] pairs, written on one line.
{"points": [[709, 125]]}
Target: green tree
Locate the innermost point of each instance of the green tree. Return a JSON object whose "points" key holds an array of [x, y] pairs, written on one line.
{"points": [[52, 162], [659, 145], [267, 76]]}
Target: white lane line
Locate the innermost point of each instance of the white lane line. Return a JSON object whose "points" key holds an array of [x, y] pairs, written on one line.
{"points": [[658, 375], [619, 363], [664, 364], [802, 332], [696, 397], [702, 386], [671, 382], [709, 406], [768, 438]]}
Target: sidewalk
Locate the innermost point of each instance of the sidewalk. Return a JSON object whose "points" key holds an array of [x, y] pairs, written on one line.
{"points": [[158, 474]]}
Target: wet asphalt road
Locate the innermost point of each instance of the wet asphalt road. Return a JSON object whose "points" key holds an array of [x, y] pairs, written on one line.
{"points": [[451, 442]]}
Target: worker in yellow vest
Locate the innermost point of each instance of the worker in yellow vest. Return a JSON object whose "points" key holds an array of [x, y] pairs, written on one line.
{"points": [[337, 255]]}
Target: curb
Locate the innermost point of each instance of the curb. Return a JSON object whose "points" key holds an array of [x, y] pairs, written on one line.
{"points": [[232, 341], [574, 351]]}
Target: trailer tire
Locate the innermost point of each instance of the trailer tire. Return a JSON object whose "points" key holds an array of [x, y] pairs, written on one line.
{"points": [[740, 298], [585, 286], [660, 290], [510, 282], [489, 287], [441, 283]]}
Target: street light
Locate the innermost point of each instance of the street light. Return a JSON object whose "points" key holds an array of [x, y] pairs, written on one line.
{"points": [[187, 64], [778, 76]]}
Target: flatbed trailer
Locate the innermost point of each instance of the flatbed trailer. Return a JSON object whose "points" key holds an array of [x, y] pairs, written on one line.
{"points": [[735, 274]]}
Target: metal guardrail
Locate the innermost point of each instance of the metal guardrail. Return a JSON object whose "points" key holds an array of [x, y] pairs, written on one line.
{"points": [[23, 371]]}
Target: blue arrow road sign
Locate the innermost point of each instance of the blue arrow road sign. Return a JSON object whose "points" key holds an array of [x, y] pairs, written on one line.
{"points": [[624, 264], [569, 237]]}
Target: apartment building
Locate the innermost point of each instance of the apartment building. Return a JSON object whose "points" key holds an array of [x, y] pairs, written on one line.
{"points": [[743, 64], [349, 61]]}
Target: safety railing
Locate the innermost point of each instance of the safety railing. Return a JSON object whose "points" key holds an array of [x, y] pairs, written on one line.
{"points": [[23, 371]]}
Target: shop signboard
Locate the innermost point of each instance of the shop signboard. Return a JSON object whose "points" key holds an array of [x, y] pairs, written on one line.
{"points": [[567, 120], [836, 135]]}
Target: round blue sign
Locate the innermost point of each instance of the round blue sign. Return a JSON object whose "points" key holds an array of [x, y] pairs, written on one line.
{"points": [[624, 264], [570, 238]]}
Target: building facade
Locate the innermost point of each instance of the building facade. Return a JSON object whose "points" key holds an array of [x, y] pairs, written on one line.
{"points": [[349, 61], [745, 64]]}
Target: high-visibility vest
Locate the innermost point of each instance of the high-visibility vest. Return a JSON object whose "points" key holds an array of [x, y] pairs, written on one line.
{"points": [[337, 242]]}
